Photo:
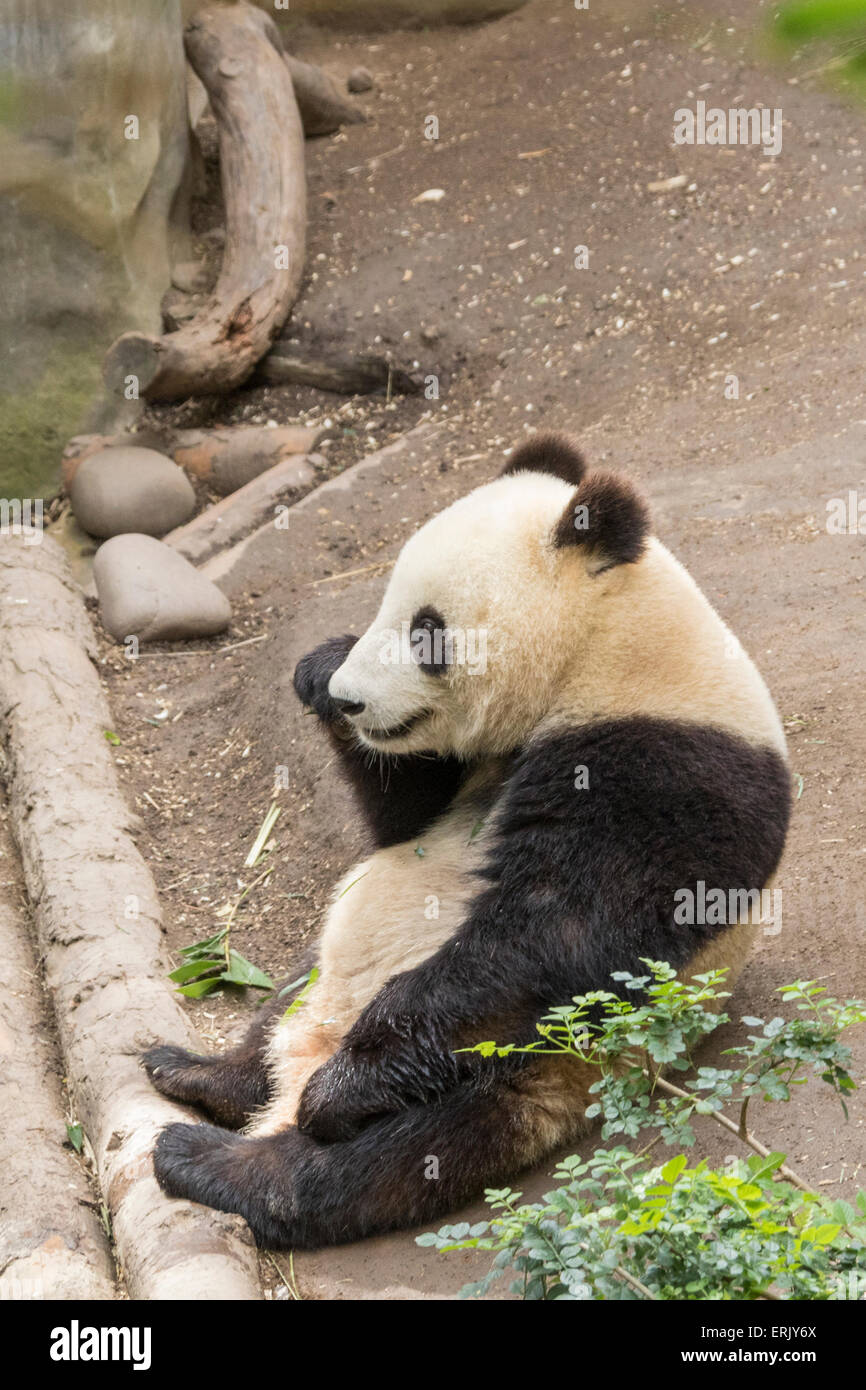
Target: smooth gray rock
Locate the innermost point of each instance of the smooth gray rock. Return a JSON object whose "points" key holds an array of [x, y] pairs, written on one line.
{"points": [[149, 591], [360, 80], [123, 489]]}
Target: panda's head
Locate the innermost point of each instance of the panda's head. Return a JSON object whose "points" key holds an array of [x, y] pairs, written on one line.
{"points": [[491, 605]]}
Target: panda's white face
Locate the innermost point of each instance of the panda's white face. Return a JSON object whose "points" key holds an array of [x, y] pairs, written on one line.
{"points": [[541, 601], [475, 628]]}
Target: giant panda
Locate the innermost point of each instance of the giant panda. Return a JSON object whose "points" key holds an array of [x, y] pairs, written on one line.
{"points": [[534, 816]]}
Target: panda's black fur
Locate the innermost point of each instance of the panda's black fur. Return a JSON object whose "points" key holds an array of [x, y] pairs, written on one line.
{"points": [[569, 889]]}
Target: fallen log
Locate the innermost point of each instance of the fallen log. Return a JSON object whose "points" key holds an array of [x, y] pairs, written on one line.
{"points": [[97, 920], [225, 458], [228, 521], [348, 376], [236, 52], [322, 105], [52, 1244]]}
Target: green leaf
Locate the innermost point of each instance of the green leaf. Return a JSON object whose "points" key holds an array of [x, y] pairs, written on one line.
{"points": [[193, 968], [75, 1135], [300, 1000], [205, 948], [843, 1212], [111, 738], [243, 972], [820, 1235], [765, 1167], [673, 1168], [296, 984], [815, 19], [200, 987], [352, 884]]}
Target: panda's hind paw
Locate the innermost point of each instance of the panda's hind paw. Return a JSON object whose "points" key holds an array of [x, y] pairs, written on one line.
{"points": [[191, 1161]]}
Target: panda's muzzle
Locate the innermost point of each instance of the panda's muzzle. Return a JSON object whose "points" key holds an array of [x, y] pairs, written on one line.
{"points": [[396, 730]]}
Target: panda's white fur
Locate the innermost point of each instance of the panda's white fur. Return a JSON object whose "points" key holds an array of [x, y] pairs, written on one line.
{"points": [[387, 914]]}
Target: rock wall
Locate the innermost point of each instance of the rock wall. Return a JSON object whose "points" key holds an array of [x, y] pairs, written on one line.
{"points": [[86, 198]]}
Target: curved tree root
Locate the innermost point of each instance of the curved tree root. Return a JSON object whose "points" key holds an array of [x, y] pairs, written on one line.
{"points": [[236, 52]]}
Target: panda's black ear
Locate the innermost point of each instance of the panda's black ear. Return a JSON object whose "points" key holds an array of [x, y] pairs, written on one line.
{"points": [[548, 453], [607, 519]]}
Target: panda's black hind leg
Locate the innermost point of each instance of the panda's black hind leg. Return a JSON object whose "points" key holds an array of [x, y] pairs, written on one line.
{"points": [[405, 1169]]}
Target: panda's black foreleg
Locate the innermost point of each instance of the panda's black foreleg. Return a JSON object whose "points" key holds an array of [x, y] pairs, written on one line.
{"points": [[400, 795], [401, 1171]]}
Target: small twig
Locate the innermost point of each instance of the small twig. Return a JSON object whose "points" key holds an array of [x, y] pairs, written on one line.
{"points": [[209, 651], [635, 1283], [293, 1285], [374, 159], [749, 1139], [350, 574], [234, 910], [261, 839]]}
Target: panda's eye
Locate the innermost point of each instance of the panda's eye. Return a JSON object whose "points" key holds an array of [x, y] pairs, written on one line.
{"points": [[429, 642]]}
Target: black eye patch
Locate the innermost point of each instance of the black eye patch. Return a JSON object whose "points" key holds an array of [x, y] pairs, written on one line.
{"points": [[430, 641]]}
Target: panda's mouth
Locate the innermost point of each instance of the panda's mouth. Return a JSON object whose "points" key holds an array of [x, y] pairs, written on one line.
{"points": [[397, 730]]}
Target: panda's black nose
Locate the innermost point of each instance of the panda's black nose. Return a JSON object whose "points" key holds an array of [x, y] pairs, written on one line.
{"points": [[348, 706]]}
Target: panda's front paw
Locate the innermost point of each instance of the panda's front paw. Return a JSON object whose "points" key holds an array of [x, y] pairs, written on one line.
{"points": [[314, 671]]}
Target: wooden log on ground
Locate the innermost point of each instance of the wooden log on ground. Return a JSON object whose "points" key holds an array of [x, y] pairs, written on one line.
{"points": [[236, 52], [322, 105], [52, 1244], [225, 458], [228, 521], [97, 919], [348, 376], [230, 457]]}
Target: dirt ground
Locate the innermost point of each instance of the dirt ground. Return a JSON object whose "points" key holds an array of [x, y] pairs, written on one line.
{"points": [[552, 124]]}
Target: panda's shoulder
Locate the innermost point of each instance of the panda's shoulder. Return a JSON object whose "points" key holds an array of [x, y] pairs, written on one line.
{"points": [[657, 787]]}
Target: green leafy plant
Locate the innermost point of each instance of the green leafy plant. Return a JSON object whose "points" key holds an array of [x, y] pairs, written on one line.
{"points": [[835, 29], [618, 1226]]}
